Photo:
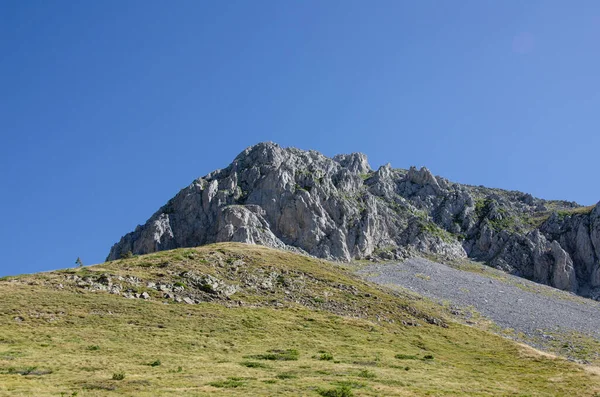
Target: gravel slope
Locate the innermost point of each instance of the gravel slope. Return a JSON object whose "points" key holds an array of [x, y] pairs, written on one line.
{"points": [[512, 302]]}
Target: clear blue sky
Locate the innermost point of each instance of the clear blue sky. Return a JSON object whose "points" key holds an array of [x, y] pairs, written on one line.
{"points": [[108, 108]]}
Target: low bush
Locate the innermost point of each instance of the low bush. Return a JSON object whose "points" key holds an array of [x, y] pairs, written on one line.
{"points": [[253, 364], [277, 355], [286, 375], [342, 391], [406, 357], [366, 374], [227, 384]]}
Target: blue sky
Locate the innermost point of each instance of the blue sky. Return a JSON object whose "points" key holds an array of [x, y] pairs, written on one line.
{"points": [[108, 108]]}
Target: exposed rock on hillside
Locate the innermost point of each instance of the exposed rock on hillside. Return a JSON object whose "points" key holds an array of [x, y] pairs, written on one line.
{"points": [[339, 208]]}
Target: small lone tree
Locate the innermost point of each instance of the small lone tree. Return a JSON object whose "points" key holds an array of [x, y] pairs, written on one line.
{"points": [[78, 262]]}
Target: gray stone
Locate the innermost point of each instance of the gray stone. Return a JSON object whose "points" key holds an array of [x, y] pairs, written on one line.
{"points": [[339, 209]]}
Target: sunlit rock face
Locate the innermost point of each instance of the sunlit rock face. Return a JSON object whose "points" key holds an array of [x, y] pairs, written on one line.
{"points": [[339, 208]]}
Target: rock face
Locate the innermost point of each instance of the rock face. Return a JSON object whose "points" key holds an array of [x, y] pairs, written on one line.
{"points": [[339, 208]]}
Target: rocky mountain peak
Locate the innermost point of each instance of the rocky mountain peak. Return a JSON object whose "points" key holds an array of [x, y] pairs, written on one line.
{"points": [[355, 162], [423, 177], [339, 208]]}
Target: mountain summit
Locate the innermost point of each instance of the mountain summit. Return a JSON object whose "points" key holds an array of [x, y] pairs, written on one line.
{"points": [[339, 208]]}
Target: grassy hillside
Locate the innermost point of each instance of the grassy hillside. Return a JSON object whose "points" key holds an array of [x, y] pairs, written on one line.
{"points": [[258, 322]]}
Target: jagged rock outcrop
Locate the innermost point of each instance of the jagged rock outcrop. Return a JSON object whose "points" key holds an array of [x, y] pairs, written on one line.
{"points": [[339, 208]]}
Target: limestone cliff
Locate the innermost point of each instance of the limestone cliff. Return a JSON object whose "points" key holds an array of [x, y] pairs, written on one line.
{"points": [[339, 208]]}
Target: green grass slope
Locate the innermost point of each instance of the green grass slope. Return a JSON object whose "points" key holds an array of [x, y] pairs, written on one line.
{"points": [[264, 322]]}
